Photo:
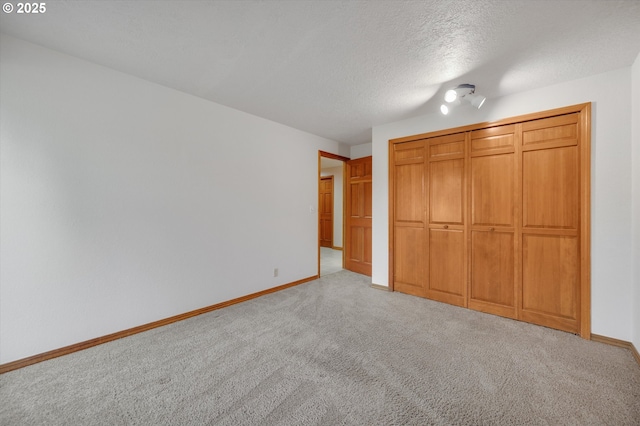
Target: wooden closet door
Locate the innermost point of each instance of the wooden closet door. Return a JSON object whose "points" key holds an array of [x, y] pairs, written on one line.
{"points": [[447, 267], [496, 217], [551, 222], [408, 183], [493, 188]]}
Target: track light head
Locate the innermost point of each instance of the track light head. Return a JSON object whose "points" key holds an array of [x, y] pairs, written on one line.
{"points": [[462, 91], [450, 95], [477, 100]]}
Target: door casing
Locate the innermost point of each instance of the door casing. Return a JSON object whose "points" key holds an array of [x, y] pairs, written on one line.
{"points": [[324, 154]]}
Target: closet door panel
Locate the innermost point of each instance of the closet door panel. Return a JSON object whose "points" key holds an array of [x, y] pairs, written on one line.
{"points": [[446, 189], [409, 271], [442, 147], [447, 266], [494, 144], [409, 187], [562, 130], [409, 218], [550, 280], [551, 190], [492, 272], [550, 181], [492, 200], [492, 186]]}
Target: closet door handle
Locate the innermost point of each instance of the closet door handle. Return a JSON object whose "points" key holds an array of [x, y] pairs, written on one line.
{"points": [[446, 227], [492, 229]]}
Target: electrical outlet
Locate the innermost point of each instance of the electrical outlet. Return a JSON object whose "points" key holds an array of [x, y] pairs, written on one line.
{"points": [[275, 272]]}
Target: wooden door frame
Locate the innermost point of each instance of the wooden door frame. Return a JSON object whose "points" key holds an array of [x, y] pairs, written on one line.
{"points": [[324, 154], [585, 128]]}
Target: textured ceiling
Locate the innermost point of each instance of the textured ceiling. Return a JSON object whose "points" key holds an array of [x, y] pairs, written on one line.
{"points": [[337, 68]]}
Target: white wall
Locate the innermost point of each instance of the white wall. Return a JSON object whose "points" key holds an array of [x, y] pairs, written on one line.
{"points": [[635, 158], [337, 173], [612, 284], [360, 151], [124, 202]]}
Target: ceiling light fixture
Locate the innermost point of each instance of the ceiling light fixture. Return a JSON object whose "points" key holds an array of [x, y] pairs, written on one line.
{"points": [[446, 108], [454, 97]]}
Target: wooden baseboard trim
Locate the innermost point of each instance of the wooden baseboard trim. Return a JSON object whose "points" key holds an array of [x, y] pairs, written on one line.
{"points": [[24, 362], [380, 287], [617, 342]]}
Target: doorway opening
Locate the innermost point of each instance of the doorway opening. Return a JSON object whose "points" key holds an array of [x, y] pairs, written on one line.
{"points": [[331, 212]]}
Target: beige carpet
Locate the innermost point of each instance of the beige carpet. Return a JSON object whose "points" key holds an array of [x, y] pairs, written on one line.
{"points": [[333, 352]]}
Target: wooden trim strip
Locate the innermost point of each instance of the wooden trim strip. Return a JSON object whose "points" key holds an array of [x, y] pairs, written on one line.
{"points": [[380, 287], [616, 342], [14, 365], [489, 124], [585, 127], [391, 196], [326, 154], [336, 248]]}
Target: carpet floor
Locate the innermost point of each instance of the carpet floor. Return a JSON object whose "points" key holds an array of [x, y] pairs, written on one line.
{"points": [[330, 261], [333, 352]]}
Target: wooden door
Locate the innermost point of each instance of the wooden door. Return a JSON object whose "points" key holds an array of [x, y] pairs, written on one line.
{"points": [[551, 222], [493, 199], [358, 215], [409, 219], [446, 240], [325, 211]]}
